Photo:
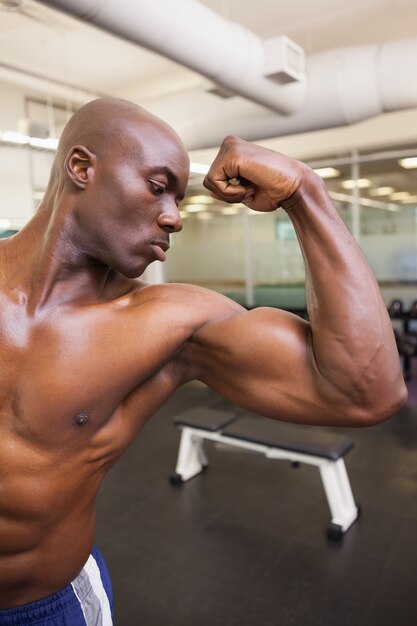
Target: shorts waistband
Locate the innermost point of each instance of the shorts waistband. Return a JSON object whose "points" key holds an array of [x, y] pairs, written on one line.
{"points": [[56, 604]]}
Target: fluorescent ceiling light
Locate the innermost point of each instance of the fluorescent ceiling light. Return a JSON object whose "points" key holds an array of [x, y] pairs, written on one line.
{"points": [[195, 208], [231, 210], [204, 216], [9, 136], [400, 195], [359, 183], [375, 204], [199, 168], [327, 172], [47, 144], [410, 200], [409, 163], [381, 191], [199, 200]]}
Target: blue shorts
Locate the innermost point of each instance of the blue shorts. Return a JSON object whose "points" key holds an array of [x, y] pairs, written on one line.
{"points": [[87, 601]]}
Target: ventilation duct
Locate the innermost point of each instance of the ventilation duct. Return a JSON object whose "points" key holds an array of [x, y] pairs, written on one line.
{"points": [[189, 33], [343, 86]]}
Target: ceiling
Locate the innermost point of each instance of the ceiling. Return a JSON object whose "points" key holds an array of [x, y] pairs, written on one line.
{"points": [[38, 40]]}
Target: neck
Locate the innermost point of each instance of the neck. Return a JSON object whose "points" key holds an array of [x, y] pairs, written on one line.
{"points": [[51, 268]]}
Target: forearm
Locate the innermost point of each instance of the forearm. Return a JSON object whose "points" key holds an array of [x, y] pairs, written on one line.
{"points": [[353, 348], [346, 362]]}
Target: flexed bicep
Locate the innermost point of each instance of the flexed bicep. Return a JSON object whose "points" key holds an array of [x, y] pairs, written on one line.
{"points": [[263, 361]]}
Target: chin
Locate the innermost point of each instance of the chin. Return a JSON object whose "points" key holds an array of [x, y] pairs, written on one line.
{"points": [[134, 270]]}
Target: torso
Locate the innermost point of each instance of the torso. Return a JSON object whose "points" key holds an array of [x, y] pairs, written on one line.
{"points": [[77, 383]]}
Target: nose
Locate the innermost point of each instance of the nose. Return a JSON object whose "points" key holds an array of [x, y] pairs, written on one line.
{"points": [[170, 220]]}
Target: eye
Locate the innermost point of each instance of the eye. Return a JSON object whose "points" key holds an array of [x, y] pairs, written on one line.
{"points": [[157, 188]]}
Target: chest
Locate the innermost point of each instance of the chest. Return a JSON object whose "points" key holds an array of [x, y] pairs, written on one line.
{"points": [[72, 373]]}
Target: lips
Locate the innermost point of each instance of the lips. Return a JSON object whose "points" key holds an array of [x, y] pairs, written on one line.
{"points": [[160, 248]]}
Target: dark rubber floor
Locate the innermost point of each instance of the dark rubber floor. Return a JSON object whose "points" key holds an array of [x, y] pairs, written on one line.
{"points": [[244, 544]]}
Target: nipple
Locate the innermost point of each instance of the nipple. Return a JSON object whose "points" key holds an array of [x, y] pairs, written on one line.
{"points": [[81, 419]]}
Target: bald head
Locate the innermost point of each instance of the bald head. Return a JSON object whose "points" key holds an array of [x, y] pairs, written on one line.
{"points": [[109, 124], [117, 181]]}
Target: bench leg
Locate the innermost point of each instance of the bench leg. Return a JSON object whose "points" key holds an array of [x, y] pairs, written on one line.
{"points": [[339, 495], [192, 458]]}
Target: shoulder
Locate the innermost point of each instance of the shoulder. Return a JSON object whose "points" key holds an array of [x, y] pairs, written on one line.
{"points": [[192, 301], [174, 314], [174, 311]]}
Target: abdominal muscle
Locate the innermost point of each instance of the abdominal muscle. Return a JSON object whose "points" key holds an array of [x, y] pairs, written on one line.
{"points": [[47, 525], [52, 464]]}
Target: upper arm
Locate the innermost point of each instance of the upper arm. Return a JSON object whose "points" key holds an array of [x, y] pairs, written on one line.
{"points": [[263, 361]]}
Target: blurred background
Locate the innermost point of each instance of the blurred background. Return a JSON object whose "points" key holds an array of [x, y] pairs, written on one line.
{"points": [[332, 83], [329, 82]]}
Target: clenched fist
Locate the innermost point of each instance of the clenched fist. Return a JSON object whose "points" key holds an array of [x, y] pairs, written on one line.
{"points": [[264, 179]]}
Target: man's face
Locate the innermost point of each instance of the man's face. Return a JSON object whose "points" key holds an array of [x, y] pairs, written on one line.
{"points": [[133, 199]]}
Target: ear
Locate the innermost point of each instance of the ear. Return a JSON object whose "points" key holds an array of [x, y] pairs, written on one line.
{"points": [[79, 165]]}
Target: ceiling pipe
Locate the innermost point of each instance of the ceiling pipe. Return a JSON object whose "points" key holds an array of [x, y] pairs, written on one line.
{"points": [[193, 35], [345, 86]]}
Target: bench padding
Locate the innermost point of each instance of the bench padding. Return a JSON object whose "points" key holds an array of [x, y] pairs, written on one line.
{"points": [[310, 440]]}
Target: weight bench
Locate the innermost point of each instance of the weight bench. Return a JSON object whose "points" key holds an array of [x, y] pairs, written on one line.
{"points": [[276, 440]]}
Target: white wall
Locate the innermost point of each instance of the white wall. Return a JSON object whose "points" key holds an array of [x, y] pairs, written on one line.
{"points": [[22, 170], [392, 257], [15, 183], [214, 250]]}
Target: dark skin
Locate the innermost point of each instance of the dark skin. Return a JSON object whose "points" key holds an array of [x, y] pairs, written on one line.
{"points": [[90, 352]]}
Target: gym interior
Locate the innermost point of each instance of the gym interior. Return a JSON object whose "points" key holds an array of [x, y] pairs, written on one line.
{"points": [[268, 535]]}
